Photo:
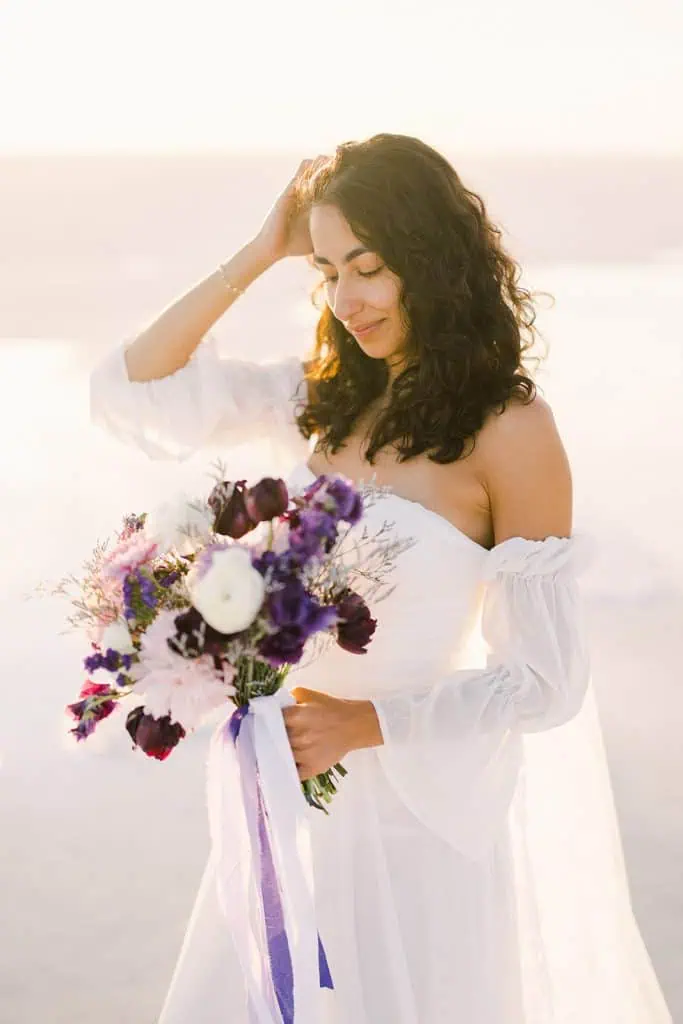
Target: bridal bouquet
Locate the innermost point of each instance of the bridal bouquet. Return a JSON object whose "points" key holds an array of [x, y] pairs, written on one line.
{"points": [[203, 604]]}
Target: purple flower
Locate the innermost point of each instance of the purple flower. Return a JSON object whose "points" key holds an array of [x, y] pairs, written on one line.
{"points": [[296, 615], [85, 726], [356, 625], [110, 660], [349, 504], [314, 529], [136, 580], [284, 647], [313, 488], [265, 561], [156, 736], [267, 499], [227, 502], [294, 606], [165, 578]]}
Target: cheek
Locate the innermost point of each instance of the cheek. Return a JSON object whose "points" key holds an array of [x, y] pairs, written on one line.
{"points": [[385, 295]]}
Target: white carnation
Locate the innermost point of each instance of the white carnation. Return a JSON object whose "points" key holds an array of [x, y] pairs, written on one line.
{"points": [[229, 592], [181, 523], [186, 689]]}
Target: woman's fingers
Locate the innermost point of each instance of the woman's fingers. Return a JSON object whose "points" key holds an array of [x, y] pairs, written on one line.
{"points": [[297, 730], [294, 720]]}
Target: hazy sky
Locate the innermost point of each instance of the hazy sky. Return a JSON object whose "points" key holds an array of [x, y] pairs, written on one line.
{"points": [[488, 76]]}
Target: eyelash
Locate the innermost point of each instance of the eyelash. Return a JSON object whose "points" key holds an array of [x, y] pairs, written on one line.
{"points": [[370, 273]]}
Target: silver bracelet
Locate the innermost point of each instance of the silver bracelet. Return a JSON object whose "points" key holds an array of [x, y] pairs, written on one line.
{"points": [[228, 284]]}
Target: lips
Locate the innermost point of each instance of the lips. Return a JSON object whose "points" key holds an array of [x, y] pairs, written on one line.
{"points": [[365, 328]]}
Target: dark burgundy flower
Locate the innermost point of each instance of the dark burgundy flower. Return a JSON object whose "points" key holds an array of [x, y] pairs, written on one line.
{"points": [[155, 736], [356, 625], [194, 636], [267, 499], [227, 502]]}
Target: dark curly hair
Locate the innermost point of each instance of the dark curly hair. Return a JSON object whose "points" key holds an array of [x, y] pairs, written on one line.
{"points": [[468, 323]]}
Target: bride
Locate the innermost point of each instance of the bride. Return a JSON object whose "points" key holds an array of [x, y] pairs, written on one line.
{"points": [[470, 870]]}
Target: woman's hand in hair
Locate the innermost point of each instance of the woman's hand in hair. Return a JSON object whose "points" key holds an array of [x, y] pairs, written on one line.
{"points": [[285, 230]]}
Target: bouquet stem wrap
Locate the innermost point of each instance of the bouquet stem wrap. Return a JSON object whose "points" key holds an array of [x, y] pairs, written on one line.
{"points": [[261, 846]]}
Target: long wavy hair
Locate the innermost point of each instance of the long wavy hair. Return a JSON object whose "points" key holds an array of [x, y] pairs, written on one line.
{"points": [[469, 325]]}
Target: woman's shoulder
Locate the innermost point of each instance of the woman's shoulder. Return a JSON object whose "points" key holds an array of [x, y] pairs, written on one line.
{"points": [[526, 470], [524, 427]]}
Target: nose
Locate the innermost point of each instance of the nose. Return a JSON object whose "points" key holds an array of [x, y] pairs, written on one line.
{"points": [[347, 299]]}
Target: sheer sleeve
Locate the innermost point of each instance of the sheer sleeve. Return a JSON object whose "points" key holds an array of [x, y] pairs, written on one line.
{"points": [[211, 401], [453, 749]]}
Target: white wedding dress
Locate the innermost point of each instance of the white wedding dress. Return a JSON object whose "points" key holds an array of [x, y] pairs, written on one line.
{"points": [[470, 870]]}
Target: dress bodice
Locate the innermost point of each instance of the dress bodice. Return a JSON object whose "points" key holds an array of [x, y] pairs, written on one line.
{"points": [[426, 619], [453, 744]]}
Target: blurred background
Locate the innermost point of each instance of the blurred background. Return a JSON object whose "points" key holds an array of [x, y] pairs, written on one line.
{"points": [[143, 142]]}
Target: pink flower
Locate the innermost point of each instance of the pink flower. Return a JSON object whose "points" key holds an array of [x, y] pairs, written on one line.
{"points": [[185, 689], [128, 556]]}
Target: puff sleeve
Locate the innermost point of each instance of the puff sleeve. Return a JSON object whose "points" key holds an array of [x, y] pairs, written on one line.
{"points": [[453, 749], [210, 401]]}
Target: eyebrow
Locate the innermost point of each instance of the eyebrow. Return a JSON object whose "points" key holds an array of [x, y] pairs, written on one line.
{"points": [[347, 259]]}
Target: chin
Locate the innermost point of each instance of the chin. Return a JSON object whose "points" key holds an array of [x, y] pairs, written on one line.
{"points": [[377, 351]]}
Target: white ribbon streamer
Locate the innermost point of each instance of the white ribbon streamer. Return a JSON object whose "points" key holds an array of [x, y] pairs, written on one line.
{"points": [[236, 851]]}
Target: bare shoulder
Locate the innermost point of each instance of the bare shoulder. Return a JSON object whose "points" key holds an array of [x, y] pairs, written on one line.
{"points": [[526, 471]]}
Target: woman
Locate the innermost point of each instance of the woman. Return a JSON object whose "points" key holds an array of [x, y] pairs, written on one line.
{"points": [[470, 871]]}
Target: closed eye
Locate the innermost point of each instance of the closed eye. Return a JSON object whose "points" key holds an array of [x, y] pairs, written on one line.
{"points": [[369, 273]]}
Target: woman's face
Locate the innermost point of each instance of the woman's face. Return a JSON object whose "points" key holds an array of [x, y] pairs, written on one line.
{"points": [[360, 289]]}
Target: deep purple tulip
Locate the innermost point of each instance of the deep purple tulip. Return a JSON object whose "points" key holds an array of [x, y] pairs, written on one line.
{"points": [[155, 736], [267, 499], [227, 502], [356, 625]]}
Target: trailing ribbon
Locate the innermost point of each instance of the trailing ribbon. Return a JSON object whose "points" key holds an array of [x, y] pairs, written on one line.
{"points": [[261, 843]]}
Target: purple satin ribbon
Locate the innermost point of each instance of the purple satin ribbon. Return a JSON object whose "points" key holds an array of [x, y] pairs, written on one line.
{"points": [[279, 955]]}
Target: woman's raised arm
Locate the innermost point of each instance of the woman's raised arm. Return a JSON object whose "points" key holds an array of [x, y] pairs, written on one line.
{"points": [[167, 344], [170, 392]]}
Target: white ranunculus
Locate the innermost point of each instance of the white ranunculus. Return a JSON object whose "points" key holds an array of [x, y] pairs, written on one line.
{"points": [[117, 636], [230, 592], [182, 523]]}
